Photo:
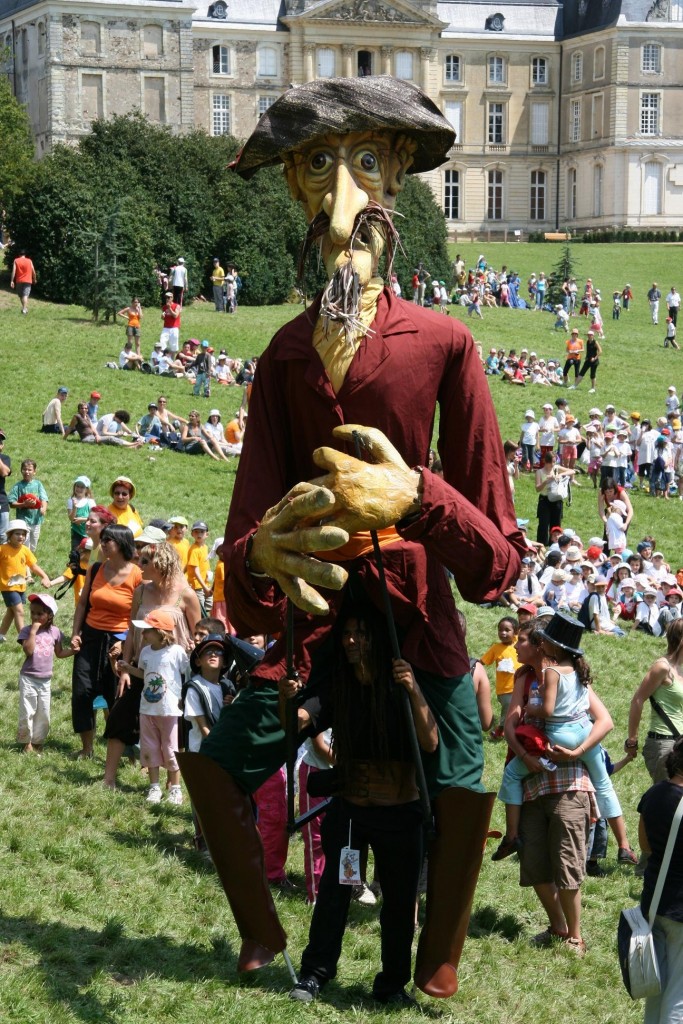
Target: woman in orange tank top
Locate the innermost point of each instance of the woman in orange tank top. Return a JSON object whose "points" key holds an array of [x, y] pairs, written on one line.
{"points": [[100, 627]]}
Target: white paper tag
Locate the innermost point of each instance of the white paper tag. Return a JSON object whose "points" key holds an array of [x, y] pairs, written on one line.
{"points": [[506, 665], [349, 866]]}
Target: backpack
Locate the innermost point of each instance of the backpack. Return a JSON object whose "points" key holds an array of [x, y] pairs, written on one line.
{"points": [[584, 615]]}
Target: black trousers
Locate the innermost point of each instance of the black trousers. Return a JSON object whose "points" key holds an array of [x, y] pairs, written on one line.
{"points": [[395, 835], [91, 676], [549, 514]]}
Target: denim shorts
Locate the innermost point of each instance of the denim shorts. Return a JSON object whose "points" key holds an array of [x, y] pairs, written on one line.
{"points": [[13, 597]]}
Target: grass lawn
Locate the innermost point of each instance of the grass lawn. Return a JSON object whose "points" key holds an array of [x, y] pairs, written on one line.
{"points": [[106, 913]]}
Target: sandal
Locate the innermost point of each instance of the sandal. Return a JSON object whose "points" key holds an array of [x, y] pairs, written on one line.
{"points": [[577, 946], [626, 856], [507, 848], [548, 937]]}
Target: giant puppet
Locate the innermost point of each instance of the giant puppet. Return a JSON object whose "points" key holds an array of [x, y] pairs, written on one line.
{"points": [[359, 359]]}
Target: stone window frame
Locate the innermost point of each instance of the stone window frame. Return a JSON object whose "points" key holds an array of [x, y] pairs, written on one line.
{"points": [[326, 49], [645, 161], [495, 80], [497, 185], [598, 75], [598, 189], [460, 99], [263, 48], [644, 110], [491, 129], [404, 53], [263, 103], [215, 93], [220, 46], [102, 75], [155, 74], [538, 195], [576, 67], [656, 48], [574, 121], [98, 24], [448, 207], [536, 82], [572, 193], [156, 56], [539, 103], [461, 69]]}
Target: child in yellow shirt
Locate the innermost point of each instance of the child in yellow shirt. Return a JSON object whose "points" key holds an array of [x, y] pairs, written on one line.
{"points": [[198, 568], [16, 560], [504, 654]]}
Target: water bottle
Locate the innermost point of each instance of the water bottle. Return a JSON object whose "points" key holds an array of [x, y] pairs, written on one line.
{"points": [[535, 701]]}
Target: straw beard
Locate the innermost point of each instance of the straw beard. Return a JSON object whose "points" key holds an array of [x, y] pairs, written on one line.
{"points": [[341, 299]]}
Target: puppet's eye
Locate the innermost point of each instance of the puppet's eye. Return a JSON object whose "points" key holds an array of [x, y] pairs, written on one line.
{"points": [[320, 161], [368, 161]]}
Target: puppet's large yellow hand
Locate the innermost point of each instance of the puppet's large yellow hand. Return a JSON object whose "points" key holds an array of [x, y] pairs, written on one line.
{"points": [[368, 495], [287, 534], [320, 515]]}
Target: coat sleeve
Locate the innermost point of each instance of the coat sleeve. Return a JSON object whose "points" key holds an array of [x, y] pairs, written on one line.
{"points": [[256, 605], [467, 519]]}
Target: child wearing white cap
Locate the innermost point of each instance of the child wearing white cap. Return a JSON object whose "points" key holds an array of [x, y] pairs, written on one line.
{"points": [[41, 641]]}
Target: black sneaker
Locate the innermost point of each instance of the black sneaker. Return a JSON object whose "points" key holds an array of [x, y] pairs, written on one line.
{"points": [[398, 1000], [594, 870], [305, 990]]}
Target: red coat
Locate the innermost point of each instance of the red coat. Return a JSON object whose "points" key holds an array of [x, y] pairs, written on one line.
{"points": [[411, 362]]}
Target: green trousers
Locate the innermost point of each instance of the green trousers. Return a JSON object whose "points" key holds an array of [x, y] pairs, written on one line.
{"points": [[249, 743]]}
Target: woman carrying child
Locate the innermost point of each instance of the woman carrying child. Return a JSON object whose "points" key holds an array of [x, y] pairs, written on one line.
{"points": [[562, 713]]}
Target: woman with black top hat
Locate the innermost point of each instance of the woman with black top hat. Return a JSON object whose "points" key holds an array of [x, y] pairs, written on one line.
{"points": [[563, 715]]}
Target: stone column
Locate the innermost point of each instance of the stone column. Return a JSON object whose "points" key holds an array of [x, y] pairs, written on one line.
{"points": [[348, 51], [426, 53], [387, 53], [309, 56]]}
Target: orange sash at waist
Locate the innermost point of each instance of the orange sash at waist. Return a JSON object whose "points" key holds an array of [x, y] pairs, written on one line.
{"points": [[358, 544]]}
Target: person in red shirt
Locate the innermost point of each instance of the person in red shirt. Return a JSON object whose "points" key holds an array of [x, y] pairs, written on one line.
{"points": [[301, 512], [23, 276], [170, 314]]}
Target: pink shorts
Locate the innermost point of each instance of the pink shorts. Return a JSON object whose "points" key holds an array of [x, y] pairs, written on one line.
{"points": [[159, 741]]}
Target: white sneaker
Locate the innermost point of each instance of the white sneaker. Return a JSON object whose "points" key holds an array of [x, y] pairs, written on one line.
{"points": [[2, 638], [175, 795], [154, 794], [591, 391], [363, 894]]}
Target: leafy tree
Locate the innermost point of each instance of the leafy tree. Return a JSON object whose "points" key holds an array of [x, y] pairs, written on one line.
{"points": [[16, 144], [422, 227]]}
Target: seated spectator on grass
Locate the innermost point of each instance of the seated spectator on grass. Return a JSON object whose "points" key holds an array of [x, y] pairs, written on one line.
{"points": [[195, 439], [129, 359], [647, 613], [598, 609], [82, 425], [113, 425], [149, 426], [52, 414]]}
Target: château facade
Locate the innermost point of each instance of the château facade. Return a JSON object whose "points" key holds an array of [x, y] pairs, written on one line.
{"points": [[567, 115]]}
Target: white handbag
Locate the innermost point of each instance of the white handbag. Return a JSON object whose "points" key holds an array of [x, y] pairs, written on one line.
{"points": [[637, 955]]}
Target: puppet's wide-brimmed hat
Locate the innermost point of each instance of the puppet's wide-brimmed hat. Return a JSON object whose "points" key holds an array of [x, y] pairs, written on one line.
{"points": [[343, 105]]}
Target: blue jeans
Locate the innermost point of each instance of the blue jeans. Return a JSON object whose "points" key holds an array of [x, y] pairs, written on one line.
{"points": [[528, 454], [571, 735], [4, 523], [597, 840]]}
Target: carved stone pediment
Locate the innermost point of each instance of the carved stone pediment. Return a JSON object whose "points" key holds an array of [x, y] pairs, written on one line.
{"points": [[396, 12]]}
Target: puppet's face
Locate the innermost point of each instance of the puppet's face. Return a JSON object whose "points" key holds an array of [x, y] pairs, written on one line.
{"points": [[339, 175]]}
